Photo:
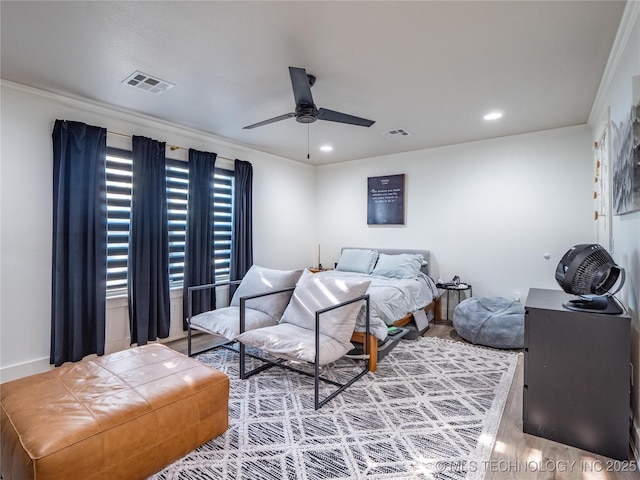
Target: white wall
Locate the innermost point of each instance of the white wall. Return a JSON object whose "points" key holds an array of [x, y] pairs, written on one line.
{"points": [[615, 92], [284, 206], [488, 210]]}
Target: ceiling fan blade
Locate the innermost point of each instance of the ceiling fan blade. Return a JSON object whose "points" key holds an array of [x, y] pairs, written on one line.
{"points": [[301, 87], [271, 120], [333, 116]]}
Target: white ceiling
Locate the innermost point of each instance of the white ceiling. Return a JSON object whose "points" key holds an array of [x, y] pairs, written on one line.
{"points": [[433, 68]]}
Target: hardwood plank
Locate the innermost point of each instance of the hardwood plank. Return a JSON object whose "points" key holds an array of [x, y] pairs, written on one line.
{"points": [[517, 455]]}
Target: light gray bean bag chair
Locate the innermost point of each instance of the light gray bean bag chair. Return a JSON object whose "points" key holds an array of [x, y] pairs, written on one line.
{"points": [[494, 322]]}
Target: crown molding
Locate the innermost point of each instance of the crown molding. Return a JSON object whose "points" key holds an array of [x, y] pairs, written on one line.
{"points": [[224, 146], [630, 17]]}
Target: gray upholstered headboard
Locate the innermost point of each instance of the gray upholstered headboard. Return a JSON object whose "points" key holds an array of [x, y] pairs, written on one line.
{"points": [[395, 251]]}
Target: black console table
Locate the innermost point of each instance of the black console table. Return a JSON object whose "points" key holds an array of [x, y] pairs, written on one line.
{"points": [[576, 375]]}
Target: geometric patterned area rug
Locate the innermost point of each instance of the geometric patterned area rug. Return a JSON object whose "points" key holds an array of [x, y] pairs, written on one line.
{"points": [[431, 411]]}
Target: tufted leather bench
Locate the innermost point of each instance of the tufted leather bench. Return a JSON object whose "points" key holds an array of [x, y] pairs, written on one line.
{"points": [[121, 416]]}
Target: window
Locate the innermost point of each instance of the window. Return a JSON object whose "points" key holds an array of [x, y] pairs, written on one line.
{"points": [[177, 190], [119, 177], [222, 222]]}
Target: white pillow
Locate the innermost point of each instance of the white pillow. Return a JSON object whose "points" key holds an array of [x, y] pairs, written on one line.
{"points": [[315, 292], [260, 280], [404, 265], [356, 260]]}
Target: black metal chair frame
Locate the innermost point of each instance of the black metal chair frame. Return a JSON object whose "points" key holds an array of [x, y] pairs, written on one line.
{"points": [[316, 375], [227, 344]]}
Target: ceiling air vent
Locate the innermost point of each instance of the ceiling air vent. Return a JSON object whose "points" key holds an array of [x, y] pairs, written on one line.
{"points": [[397, 133], [147, 82]]}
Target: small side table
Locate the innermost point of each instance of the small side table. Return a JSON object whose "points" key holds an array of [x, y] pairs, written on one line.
{"points": [[449, 288], [316, 270]]}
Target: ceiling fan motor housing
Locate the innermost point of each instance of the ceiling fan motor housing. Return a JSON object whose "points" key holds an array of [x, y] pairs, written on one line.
{"points": [[306, 113]]}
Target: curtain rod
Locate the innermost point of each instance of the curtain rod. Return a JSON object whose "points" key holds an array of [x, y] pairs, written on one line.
{"points": [[173, 148]]}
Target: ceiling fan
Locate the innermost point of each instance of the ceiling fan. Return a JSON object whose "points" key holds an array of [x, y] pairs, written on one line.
{"points": [[306, 111]]}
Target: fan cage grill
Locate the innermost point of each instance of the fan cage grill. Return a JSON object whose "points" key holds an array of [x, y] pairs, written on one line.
{"points": [[588, 270]]}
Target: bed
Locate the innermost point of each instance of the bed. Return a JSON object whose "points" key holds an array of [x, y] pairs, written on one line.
{"points": [[400, 290]]}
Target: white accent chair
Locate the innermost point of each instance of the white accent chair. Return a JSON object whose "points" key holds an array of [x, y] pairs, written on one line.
{"points": [[316, 328], [259, 301]]}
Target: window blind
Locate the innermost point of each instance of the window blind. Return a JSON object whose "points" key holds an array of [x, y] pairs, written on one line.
{"points": [[119, 187]]}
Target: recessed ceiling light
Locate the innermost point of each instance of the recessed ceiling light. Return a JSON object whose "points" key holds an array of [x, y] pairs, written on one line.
{"points": [[493, 116], [326, 148]]}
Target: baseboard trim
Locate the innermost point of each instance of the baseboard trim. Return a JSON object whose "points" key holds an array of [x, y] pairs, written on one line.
{"points": [[13, 372], [25, 369]]}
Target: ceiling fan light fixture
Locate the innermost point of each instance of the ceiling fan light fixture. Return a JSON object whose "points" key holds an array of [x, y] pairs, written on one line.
{"points": [[305, 118], [306, 113], [326, 148]]}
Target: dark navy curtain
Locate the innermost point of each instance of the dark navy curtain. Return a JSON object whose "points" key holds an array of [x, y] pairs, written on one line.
{"points": [[148, 266], [79, 241], [199, 263], [242, 236]]}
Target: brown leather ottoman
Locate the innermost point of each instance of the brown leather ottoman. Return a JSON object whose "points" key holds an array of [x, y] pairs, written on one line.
{"points": [[121, 416]]}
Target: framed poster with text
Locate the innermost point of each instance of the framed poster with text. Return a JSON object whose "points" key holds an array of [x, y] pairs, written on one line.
{"points": [[385, 200]]}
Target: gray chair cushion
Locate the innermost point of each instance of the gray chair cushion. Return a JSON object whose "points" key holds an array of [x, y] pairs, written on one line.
{"points": [[294, 337], [226, 321], [259, 312], [292, 342], [259, 280], [494, 322], [315, 292]]}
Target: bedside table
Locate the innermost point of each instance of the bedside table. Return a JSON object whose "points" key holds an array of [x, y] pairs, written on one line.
{"points": [[455, 288], [316, 270]]}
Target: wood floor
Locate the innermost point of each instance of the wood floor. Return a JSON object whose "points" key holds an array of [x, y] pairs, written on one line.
{"points": [[517, 455]]}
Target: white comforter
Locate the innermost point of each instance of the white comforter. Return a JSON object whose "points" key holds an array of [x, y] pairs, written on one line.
{"points": [[390, 298]]}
